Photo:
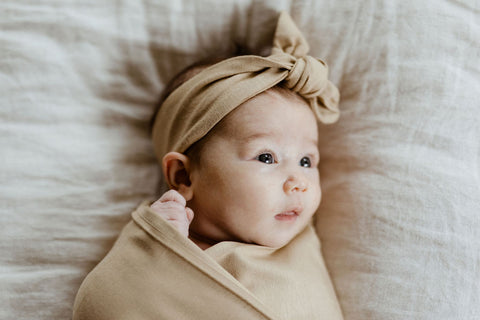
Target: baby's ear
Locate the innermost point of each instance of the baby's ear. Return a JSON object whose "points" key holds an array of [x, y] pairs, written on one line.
{"points": [[176, 169]]}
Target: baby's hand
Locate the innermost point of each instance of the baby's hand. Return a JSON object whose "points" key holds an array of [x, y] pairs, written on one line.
{"points": [[172, 207]]}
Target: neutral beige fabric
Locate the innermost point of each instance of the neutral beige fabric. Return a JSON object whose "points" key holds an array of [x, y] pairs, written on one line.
{"points": [[153, 272], [399, 220], [292, 281], [200, 103]]}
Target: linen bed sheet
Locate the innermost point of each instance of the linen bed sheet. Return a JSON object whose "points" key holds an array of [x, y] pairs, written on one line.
{"points": [[400, 216]]}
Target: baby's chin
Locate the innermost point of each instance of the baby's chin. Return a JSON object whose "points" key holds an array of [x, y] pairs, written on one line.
{"points": [[274, 242], [275, 239]]}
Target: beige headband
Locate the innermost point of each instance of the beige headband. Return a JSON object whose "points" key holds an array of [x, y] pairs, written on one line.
{"points": [[196, 106]]}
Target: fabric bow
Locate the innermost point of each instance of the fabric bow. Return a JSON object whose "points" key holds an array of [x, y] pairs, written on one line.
{"points": [[197, 105]]}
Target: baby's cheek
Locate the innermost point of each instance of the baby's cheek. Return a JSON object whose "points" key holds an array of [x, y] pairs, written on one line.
{"points": [[317, 197], [315, 183]]}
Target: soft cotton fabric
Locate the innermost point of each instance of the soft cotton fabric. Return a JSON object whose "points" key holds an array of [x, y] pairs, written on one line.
{"points": [[197, 105], [154, 272], [400, 171]]}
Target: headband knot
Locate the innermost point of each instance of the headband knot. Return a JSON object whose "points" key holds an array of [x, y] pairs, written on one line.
{"points": [[308, 77]]}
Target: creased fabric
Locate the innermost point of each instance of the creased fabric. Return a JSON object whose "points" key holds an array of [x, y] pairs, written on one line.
{"points": [[194, 108], [153, 272], [398, 223]]}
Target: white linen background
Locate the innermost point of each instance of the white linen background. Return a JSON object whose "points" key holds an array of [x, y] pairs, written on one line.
{"points": [[400, 216]]}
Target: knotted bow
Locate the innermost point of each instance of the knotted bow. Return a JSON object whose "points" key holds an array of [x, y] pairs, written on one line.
{"points": [[197, 105]]}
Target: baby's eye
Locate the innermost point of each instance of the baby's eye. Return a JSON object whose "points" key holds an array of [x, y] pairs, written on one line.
{"points": [[305, 162], [266, 158]]}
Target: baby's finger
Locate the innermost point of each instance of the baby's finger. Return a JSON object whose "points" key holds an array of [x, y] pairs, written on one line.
{"points": [[173, 195], [189, 213]]}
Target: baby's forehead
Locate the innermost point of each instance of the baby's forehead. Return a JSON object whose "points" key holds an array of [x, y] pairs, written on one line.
{"points": [[269, 113]]}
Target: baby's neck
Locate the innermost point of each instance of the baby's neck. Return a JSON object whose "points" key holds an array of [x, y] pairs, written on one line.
{"points": [[201, 242]]}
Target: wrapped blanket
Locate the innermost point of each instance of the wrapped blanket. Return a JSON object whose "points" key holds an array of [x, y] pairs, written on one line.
{"points": [[153, 272]]}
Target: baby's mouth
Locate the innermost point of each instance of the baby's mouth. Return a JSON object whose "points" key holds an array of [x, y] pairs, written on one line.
{"points": [[289, 215]]}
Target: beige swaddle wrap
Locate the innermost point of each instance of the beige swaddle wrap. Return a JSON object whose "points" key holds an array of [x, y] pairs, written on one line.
{"points": [[154, 272]]}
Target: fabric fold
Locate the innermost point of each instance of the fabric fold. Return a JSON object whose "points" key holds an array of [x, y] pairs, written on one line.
{"points": [[153, 272]]}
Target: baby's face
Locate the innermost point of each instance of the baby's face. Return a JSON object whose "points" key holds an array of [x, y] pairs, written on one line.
{"points": [[257, 180]]}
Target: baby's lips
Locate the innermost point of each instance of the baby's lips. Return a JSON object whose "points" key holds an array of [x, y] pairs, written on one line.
{"points": [[287, 216], [290, 214], [296, 209]]}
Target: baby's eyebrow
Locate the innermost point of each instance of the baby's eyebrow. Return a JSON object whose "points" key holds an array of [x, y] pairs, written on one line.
{"points": [[258, 135], [313, 141]]}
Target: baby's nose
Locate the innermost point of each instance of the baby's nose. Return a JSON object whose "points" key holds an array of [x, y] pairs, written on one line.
{"points": [[295, 183]]}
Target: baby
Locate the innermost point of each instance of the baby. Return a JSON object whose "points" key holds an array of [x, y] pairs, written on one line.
{"points": [[232, 238], [253, 178]]}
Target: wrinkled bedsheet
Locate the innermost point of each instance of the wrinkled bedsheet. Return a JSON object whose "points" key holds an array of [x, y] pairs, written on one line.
{"points": [[400, 216]]}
